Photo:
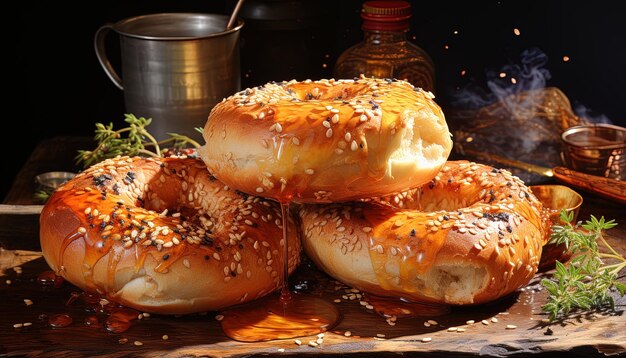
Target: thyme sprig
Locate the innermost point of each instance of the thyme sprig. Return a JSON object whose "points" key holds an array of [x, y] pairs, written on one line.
{"points": [[132, 140], [587, 282]]}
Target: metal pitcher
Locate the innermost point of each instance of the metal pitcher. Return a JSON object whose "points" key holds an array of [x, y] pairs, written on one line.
{"points": [[175, 67]]}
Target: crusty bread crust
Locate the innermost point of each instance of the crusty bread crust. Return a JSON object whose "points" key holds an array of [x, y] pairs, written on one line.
{"points": [[107, 231], [477, 237], [326, 141]]}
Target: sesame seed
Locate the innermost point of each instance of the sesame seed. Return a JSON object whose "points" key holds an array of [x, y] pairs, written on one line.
{"points": [[494, 320], [298, 342], [380, 335], [18, 325], [347, 333], [28, 324], [281, 350], [433, 322], [485, 322], [511, 326], [82, 230], [219, 317], [471, 321], [279, 128], [426, 339], [309, 171], [295, 141], [452, 329], [329, 133], [313, 344], [326, 124], [28, 302], [138, 343], [335, 119]]}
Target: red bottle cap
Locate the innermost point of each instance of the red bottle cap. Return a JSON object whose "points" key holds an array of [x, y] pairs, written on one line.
{"points": [[386, 15]]}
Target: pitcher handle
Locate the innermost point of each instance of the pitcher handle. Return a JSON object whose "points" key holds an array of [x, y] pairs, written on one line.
{"points": [[98, 43]]}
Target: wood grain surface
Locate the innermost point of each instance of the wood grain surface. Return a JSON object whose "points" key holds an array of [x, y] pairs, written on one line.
{"points": [[596, 334]]}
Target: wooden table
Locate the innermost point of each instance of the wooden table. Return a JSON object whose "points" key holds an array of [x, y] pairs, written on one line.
{"points": [[198, 335]]}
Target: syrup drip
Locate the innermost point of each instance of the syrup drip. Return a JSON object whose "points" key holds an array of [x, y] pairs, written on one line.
{"points": [[280, 316], [120, 320], [59, 320], [49, 278], [389, 307], [418, 199], [113, 317], [91, 321]]}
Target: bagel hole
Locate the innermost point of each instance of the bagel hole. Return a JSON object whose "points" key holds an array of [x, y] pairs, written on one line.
{"points": [[456, 284]]}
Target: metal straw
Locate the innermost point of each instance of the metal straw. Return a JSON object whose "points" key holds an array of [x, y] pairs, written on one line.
{"points": [[233, 16]]}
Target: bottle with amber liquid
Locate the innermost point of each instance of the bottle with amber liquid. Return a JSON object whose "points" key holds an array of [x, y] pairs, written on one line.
{"points": [[385, 51]]}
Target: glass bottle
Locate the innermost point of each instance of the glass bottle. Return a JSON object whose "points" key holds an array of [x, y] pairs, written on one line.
{"points": [[385, 51]]}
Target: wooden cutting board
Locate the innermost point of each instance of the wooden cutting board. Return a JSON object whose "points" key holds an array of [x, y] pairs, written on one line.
{"points": [[370, 334]]}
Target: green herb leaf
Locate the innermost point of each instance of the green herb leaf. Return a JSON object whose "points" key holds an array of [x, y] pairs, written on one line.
{"points": [[587, 282], [132, 140]]}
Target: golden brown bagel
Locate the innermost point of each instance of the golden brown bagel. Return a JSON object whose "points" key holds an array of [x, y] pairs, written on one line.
{"points": [[327, 140], [478, 238], [163, 235]]}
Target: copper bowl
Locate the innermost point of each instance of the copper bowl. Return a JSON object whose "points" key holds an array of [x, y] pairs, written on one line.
{"points": [[554, 199], [597, 149]]}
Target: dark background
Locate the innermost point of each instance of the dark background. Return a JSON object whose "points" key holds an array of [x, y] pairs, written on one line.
{"points": [[57, 87]]}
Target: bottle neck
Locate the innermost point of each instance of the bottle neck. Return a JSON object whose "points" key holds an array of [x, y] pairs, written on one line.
{"points": [[376, 37]]}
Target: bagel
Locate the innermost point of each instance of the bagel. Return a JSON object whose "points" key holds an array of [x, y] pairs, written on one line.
{"points": [[477, 237], [326, 141], [162, 235]]}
